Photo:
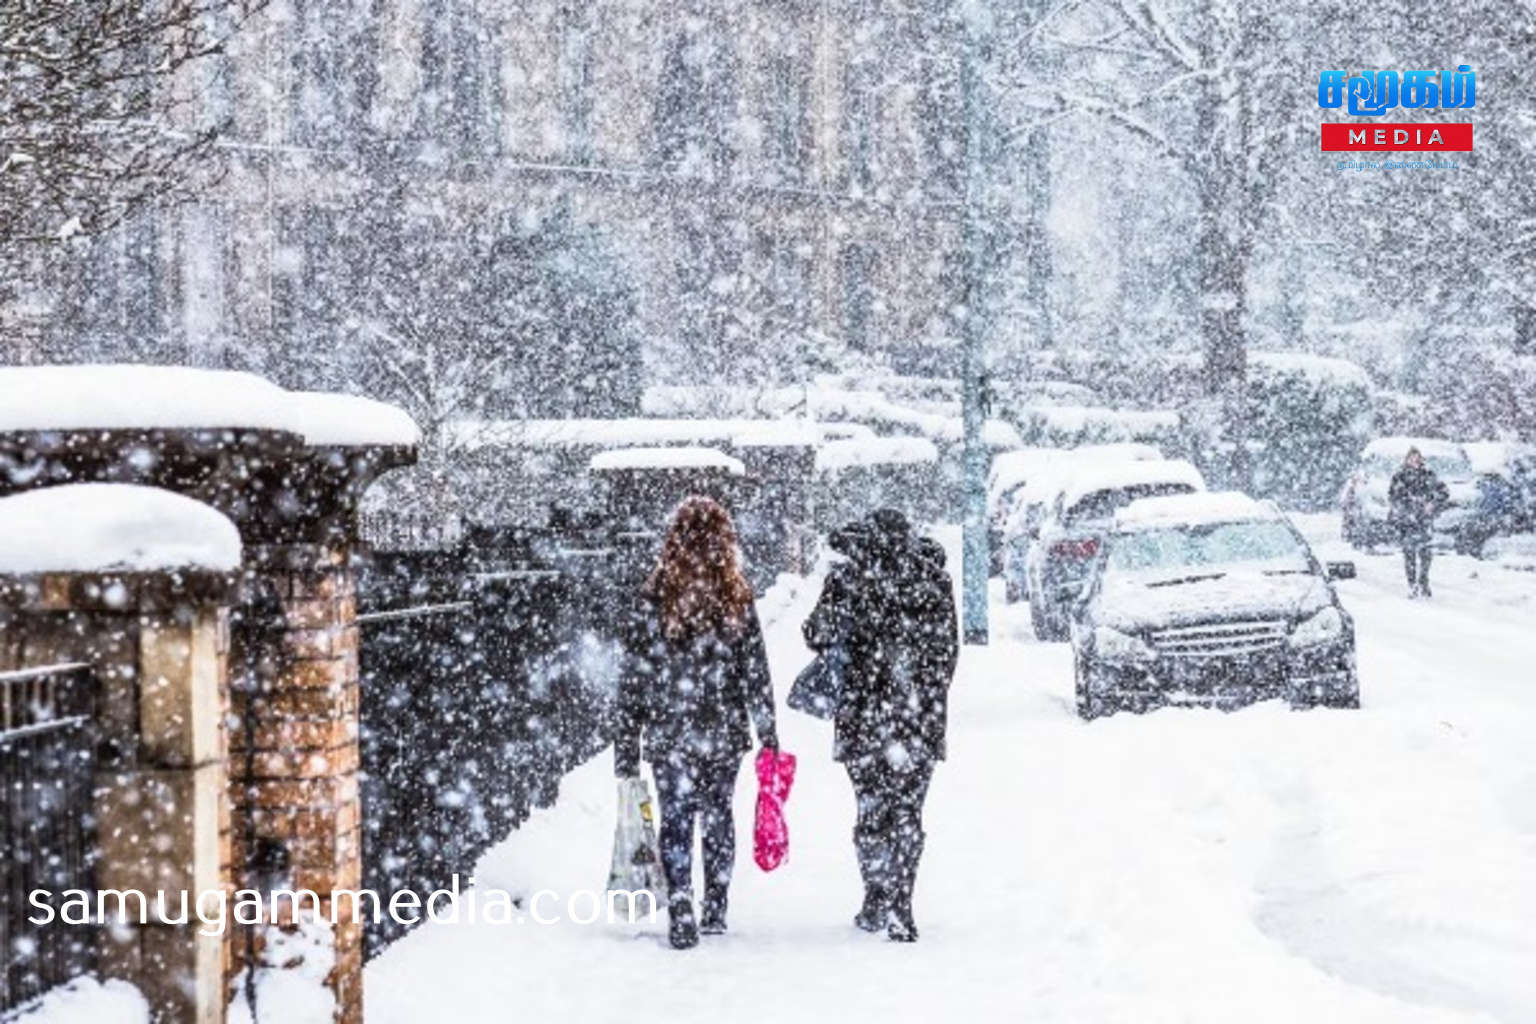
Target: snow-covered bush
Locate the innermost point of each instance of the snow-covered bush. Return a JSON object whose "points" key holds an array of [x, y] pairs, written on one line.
{"points": [[1071, 426], [1309, 417]]}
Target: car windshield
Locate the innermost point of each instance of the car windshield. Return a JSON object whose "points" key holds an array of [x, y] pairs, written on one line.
{"points": [[1104, 504], [1208, 547]]}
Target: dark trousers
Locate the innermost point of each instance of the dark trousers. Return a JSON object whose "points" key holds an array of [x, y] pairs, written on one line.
{"points": [[686, 790], [1416, 555], [888, 834]]}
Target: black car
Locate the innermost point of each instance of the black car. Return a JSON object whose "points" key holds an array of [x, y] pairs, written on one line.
{"points": [[1211, 600]]}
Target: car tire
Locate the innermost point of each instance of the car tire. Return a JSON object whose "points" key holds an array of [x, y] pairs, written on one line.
{"points": [[1349, 700], [1048, 628], [1089, 706]]}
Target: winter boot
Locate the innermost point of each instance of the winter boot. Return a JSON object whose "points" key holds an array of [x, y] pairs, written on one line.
{"points": [[903, 928], [875, 911], [875, 868], [682, 932], [712, 911]]}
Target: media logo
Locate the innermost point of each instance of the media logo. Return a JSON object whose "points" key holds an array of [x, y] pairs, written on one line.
{"points": [[1373, 93]]}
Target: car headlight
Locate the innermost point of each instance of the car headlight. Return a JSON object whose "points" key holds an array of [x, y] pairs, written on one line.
{"points": [[1113, 645], [1324, 627]]}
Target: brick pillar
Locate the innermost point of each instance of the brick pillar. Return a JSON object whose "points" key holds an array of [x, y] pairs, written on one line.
{"points": [[158, 647], [294, 740]]}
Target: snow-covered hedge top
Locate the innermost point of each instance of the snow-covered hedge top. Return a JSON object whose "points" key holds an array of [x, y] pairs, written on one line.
{"points": [[1397, 448], [107, 527], [874, 451], [1111, 475], [843, 431], [874, 408], [667, 458], [1193, 509], [618, 433], [139, 397], [1077, 419], [1319, 369]]}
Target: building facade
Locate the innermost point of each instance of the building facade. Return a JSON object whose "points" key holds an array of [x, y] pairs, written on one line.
{"points": [[780, 178]]}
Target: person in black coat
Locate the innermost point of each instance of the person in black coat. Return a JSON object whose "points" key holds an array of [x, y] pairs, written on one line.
{"points": [[695, 685], [890, 609], [1415, 498]]}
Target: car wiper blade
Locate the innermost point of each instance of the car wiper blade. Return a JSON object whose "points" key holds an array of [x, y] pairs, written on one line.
{"points": [[1287, 572], [1186, 579]]}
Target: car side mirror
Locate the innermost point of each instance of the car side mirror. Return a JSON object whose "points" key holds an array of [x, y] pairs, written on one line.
{"points": [[1341, 570]]}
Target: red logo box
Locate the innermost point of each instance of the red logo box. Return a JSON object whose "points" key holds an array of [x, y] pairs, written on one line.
{"points": [[1416, 138]]}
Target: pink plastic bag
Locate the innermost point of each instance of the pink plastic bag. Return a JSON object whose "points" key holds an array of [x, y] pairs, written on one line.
{"points": [[770, 834]]}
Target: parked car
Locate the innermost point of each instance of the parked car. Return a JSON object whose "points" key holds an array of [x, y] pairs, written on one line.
{"points": [[1022, 526], [1211, 600], [1364, 500], [1012, 472], [1073, 528], [1506, 491]]}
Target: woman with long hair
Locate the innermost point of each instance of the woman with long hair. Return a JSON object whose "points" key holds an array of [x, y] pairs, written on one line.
{"points": [[695, 685]]}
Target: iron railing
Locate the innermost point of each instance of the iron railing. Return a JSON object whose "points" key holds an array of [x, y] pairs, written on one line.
{"points": [[474, 705], [47, 761]]}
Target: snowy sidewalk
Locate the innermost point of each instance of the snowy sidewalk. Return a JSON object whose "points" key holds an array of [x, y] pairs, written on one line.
{"points": [[1185, 866]]}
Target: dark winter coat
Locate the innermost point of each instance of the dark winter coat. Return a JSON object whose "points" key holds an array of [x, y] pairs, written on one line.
{"points": [[891, 607], [691, 699], [1416, 496]]}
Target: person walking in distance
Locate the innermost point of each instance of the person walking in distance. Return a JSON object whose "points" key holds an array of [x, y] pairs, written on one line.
{"points": [[695, 684], [889, 610], [1415, 498]]}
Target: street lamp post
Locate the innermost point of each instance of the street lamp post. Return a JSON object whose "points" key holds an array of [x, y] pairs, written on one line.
{"points": [[975, 556]]}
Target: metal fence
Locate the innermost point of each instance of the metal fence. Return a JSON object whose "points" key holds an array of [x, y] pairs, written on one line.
{"points": [[478, 695], [47, 761]]}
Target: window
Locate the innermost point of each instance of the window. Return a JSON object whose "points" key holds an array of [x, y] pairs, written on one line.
{"points": [[788, 128], [857, 296]]}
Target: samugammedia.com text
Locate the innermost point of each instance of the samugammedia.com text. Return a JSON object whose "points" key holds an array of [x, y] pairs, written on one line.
{"points": [[218, 909]]}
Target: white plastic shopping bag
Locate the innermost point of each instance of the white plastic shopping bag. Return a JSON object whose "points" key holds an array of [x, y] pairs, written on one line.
{"points": [[636, 860]]}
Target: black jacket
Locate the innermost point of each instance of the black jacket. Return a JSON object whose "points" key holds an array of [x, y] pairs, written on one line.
{"points": [[694, 698], [1416, 497], [891, 607]]}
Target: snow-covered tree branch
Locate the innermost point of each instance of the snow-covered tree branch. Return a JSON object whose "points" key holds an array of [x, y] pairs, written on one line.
{"points": [[90, 126]]}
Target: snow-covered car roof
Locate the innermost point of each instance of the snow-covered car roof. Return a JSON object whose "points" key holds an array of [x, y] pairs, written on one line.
{"points": [[874, 451], [1041, 489], [1010, 469], [1112, 475], [666, 458], [1397, 447], [1192, 510], [1495, 456]]}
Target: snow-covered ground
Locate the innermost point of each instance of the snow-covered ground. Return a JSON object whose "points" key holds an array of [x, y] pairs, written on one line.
{"points": [[1187, 865]]}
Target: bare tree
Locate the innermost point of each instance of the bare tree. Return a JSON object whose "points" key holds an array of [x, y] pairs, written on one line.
{"points": [[91, 128]]}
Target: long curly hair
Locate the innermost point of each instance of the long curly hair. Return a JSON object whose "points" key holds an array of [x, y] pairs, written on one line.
{"points": [[698, 581]]}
